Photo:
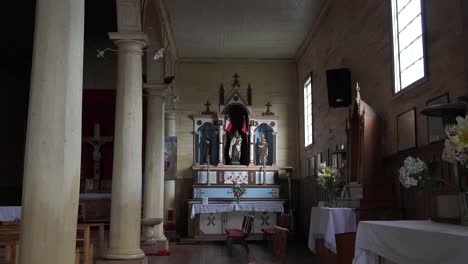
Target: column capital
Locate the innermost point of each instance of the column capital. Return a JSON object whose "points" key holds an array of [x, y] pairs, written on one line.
{"points": [[156, 89], [122, 39], [170, 114]]}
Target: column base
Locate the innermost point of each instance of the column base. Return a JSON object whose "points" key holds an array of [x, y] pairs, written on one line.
{"points": [[124, 261], [162, 244], [136, 254]]}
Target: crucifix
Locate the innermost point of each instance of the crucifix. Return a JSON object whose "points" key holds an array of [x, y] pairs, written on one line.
{"points": [[207, 111], [268, 112], [97, 141], [236, 83]]}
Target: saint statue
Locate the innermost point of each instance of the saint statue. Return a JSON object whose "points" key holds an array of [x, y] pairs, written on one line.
{"points": [[207, 153], [262, 150], [235, 148]]}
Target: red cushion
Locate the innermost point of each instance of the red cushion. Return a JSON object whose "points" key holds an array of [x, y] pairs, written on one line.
{"points": [[234, 233], [268, 230], [169, 226]]}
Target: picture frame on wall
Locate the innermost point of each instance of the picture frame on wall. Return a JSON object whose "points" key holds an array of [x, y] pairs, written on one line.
{"points": [[334, 160], [406, 130], [435, 125], [313, 166]]}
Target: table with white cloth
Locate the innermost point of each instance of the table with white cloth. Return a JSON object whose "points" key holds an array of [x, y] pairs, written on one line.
{"points": [[270, 206], [10, 213], [411, 242], [326, 222]]}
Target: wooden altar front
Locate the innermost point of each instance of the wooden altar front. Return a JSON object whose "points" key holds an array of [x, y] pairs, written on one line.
{"points": [[215, 168]]}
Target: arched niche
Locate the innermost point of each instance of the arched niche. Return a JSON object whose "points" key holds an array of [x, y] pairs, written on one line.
{"points": [[208, 133], [267, 131], [239, 117]]}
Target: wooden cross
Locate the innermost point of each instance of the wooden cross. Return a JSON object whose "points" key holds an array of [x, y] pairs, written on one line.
{"points": [[207, 111], [96, 141], [268, 112], [207, 106], [236, 83]]}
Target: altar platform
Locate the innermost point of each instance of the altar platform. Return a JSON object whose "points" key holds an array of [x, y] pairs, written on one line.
{"points": [[208, 221]]}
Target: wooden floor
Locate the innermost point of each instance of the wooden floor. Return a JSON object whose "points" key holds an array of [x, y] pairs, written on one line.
{"points": [[217, 253]]}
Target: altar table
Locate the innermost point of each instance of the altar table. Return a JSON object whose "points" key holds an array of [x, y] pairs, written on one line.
{"points": [[411, 242], [10, 213], [326, 222], [267, 206]]}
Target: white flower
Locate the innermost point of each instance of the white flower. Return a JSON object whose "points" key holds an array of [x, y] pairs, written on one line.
{"points": [[456, 144], [412, 171], [407, 181]]}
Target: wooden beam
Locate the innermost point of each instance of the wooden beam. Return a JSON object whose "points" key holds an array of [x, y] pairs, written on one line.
{"points": [[167, 26]]}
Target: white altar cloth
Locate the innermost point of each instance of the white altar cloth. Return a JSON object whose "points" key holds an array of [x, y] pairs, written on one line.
{"points": [[326, 222], [10, 213], [411, 242], [267, 206]]}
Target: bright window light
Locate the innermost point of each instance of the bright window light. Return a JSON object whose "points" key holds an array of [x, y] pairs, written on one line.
{"points": [[408, 47], [308, 113]]}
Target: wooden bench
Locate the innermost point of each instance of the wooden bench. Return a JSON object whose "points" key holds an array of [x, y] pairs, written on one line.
{"points": [[9, 239]]}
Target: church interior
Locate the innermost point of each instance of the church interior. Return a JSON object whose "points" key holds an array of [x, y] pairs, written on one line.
{"points": [[249, 131]]}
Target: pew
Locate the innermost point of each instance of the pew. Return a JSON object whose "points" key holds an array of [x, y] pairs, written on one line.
{"points": [[9, 239]]}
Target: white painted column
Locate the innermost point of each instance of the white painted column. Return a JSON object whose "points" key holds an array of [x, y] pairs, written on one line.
{"points": [[221, 144], [169, 184], [252, 145], [53, 142], [153, 204], [124, 242]]}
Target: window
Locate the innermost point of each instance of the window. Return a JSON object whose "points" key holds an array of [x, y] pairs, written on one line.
{"points": [[408, 47], [308, 113]]}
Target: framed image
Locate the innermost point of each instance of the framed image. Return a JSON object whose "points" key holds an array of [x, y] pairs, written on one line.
{"points": [[406, 130], [313, 166], [435, 125], [334, 161], [307, 167]]}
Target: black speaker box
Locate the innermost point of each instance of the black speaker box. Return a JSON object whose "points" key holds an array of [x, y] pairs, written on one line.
{"points": [[339, 87]]}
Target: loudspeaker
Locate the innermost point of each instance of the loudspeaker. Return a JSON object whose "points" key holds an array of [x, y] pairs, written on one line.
{"points": [[339, 87]]}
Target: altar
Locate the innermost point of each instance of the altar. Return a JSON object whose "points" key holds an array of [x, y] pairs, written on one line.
{"points": [[234, 147]]}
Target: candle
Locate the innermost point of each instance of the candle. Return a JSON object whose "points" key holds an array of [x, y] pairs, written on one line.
{"points": [[97, 131]]}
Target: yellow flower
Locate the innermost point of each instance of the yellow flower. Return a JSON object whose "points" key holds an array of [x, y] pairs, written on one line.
{"points": [[327, 171], [462, 130]]}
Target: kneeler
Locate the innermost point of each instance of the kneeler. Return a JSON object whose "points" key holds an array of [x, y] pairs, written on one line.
{"points": [[280, 243], [240, 234], [282, 221]]}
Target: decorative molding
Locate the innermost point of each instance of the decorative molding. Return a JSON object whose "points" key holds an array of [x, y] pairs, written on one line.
{"points": [[128, 15], [129, 36], [234, 60], [156, 89]]}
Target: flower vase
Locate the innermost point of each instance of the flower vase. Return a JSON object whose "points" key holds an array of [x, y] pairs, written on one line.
{"points": [[463, 200], [461, 174], [331, 200]]}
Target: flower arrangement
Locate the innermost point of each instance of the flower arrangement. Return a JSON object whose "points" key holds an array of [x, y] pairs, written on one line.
{"points": [[414, 173], [330, 179], [238, 189], [456, 144]]}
